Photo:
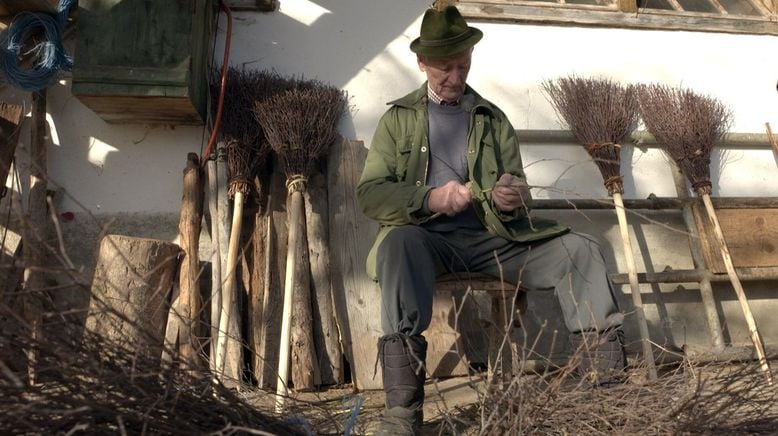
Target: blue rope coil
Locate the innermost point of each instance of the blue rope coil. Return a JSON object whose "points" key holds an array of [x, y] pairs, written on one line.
{"points": [[50, 53]]}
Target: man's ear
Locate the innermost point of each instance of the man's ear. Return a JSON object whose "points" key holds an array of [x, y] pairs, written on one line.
{"points": [[422, 65]]}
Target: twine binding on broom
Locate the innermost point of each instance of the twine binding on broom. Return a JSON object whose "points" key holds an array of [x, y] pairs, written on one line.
{"points": [[296, 183]]}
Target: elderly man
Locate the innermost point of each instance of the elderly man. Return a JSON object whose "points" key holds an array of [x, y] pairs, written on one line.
{"points": [[444, 179]]}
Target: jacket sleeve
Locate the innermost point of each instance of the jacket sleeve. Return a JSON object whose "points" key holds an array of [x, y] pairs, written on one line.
{"points": [[380, 193], [511, 163]]}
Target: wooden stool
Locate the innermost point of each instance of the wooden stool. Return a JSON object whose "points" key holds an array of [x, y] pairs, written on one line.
{"points": [[507, 299]]}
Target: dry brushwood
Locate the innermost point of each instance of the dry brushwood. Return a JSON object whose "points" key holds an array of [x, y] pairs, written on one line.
{"points": [[687, 125], [97, 386], [602, 114], [689, 398], [299, 123]]}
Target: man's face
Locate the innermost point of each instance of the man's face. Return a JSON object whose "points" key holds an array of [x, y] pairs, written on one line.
{"points": [[447, 75]]}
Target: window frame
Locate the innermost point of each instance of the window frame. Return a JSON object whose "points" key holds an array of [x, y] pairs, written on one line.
{"points": [[622, 14]]}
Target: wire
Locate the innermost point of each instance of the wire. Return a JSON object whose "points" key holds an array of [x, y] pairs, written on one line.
{"points": [[220, 105], [50, 52]]}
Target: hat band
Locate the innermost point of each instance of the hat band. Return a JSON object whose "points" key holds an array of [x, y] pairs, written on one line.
{"points": [[448, 41]]}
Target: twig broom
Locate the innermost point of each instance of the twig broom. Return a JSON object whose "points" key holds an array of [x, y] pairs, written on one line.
{"points": [[299, 124], [687, 125], [245, 149], [602, 114]]}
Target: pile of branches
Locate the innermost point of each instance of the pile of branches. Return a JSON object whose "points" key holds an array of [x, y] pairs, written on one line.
{"points": [[96, 386], [720, 398]]}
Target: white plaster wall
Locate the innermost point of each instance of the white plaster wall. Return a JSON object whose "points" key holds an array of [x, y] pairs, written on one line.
{"points": [[363, 48]]}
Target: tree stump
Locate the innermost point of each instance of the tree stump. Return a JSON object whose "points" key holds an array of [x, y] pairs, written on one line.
{"points": [[130, 292]]}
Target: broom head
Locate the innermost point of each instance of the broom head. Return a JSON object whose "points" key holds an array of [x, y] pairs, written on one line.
{"points": [[601, 113], [686, 125], [300, 123]]}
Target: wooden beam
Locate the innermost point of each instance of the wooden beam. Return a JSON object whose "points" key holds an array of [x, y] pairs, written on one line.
{"points": [[646, 19], [641, 138]]}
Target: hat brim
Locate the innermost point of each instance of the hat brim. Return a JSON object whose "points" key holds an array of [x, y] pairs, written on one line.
{"points": [[447, 50]]}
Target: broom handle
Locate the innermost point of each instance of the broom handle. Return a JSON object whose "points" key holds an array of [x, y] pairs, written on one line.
{"points": [[632, 273], [296, 205], [741, 294], [228, 290]]}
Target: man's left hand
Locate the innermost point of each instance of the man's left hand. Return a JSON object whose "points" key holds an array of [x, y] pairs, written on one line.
{"points": [[510, 193]]}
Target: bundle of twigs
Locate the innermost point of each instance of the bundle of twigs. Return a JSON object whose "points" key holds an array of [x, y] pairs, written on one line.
{"points": [[98, 386], [719, 398], [299, 123], [688, 125], [602, 114], [246, 151]]}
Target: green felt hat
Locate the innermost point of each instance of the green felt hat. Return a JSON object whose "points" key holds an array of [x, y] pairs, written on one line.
{"points": [[444, 33]]}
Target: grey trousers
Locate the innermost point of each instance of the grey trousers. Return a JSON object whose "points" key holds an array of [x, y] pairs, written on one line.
{"points": [[572, 266]]}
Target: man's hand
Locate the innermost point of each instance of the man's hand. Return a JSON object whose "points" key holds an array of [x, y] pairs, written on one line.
{"points": [[450, 199], [510, 193]]}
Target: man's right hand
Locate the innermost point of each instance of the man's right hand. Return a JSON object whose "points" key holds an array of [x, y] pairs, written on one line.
{"points": [[450, 199]]}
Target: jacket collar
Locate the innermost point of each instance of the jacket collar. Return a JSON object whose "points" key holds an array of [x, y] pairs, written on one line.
{"points": [[418, 99]]}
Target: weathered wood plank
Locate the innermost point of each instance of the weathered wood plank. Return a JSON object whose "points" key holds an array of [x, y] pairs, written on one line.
{"points": [[325, 329], [356, 296], [751, 236]]}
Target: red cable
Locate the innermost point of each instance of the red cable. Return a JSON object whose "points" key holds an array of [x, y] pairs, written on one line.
{"points": [[218, 119]]}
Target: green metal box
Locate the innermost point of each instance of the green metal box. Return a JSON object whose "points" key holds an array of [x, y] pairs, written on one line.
{"points": [[144, 61]]}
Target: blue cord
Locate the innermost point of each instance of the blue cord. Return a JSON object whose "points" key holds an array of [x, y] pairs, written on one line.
{"points": [[51, 52], [352, 419]]}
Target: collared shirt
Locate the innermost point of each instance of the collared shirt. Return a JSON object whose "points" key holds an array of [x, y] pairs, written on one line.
{"points": [[435, 98]]}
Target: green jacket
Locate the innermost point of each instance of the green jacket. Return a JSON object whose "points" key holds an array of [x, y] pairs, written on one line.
{"points": [[392, 188]]}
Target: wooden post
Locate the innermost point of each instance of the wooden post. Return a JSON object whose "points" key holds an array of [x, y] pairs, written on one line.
{"points": [[305, 366], [10, 120], [325, 329], [34, 238], [216, 263], [189, 275], [272, 303], [130, 292], [260, 263]]}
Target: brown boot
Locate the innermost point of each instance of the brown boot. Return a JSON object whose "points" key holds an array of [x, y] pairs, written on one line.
{"points": [[603, 360], [402, 360]]}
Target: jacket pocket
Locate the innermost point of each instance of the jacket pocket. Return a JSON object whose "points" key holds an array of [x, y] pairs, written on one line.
{"points": [[404, 146]]}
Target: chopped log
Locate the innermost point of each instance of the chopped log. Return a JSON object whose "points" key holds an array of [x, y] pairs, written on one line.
{"points": [[189, 275], [357, 297], [34, 234], [325, 329], [305, 367], [130, 290], [272, 304]]}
